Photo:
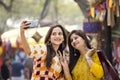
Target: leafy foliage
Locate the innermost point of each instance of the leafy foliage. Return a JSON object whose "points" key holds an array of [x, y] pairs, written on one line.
{"points": [[63, 11]]}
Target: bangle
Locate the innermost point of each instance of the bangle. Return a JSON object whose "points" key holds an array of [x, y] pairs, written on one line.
{"points": [[88, 58]]}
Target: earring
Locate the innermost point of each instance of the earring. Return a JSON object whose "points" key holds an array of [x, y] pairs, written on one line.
{"points": [[49, 43], [75, 53], [63, 45]]}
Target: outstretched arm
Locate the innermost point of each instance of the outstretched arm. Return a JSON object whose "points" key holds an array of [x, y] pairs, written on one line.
{"points": [[25, 44]]}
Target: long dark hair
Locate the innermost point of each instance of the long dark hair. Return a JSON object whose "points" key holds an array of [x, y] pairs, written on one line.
{"points": [[74, 53], [50, 49]]}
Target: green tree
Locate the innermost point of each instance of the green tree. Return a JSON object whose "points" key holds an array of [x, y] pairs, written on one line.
{"points": [[46, 10]]}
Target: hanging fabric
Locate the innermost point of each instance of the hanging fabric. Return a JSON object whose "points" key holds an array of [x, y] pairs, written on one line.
{"points": [[119, 2], [110, 3], [112, 19], [109, 13], [92, 10], [117, 8], [91, 25]]}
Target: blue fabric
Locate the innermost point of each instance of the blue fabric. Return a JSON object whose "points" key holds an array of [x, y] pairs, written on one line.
{"points": [[91, 27], [16, 69]]}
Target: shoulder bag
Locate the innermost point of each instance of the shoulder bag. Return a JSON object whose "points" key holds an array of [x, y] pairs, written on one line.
{"points": [[109, 71]]}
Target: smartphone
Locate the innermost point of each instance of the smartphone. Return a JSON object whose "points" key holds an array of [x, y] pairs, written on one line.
{"points": [[33, 24]]}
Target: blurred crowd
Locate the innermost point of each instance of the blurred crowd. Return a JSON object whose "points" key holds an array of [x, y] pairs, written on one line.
{"points": [[19, 67]]}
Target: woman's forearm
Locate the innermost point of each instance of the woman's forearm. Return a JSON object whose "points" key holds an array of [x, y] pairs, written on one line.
{"points": [[89, 60], [24, 42], [65, 67], [67, 72]]}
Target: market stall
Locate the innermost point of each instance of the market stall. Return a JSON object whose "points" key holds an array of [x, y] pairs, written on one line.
{"points": [[13, 36]]}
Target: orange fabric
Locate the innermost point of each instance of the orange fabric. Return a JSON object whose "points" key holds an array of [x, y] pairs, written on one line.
{"points": [[38, 52]]}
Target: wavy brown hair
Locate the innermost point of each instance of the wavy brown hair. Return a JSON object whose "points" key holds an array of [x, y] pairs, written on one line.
{"points": [[74, 53], [50, 50]]}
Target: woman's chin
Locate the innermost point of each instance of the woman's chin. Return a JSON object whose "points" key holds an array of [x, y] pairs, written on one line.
{"points": [[57, 43]]}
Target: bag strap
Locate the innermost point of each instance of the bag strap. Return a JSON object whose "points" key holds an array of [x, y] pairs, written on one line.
{"points": [[109, 71]]}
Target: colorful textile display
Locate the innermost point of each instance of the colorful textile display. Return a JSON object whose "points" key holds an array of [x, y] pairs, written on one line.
{"points": [[92, 27]]}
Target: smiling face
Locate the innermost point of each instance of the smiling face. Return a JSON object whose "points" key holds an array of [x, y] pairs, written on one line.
{"points": [[56, 37], [76, 41]]}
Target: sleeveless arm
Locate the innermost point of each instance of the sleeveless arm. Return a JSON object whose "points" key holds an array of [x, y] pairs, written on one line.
{"points": [[25, 44]]}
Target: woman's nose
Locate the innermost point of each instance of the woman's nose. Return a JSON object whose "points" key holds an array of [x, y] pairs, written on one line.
{"points": [[57, 35]]}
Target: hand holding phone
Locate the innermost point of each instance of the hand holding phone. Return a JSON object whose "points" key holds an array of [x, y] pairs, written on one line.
{"points": [[33, 24]]}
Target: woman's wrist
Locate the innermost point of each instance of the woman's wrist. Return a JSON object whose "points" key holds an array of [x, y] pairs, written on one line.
{"points": [[22, 32], [87, 57], [66, 72]]}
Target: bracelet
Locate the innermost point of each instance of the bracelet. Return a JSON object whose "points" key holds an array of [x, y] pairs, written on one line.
{"points": [[88, 58]]}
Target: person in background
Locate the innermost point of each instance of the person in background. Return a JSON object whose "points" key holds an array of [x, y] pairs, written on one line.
{"points": [[20, 54], [28, 68], [5, 69], [84, 61], [46, 56], [17, 70]]}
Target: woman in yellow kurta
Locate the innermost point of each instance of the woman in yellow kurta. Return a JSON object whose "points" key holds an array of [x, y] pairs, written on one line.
{"points": [[84, 62]]}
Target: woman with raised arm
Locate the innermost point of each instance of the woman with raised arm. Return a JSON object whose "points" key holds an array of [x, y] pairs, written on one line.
{"points": [[47, 65]]}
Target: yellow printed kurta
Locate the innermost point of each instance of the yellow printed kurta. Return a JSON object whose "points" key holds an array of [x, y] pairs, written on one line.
{"points": [[40, 72], [83, 72]]}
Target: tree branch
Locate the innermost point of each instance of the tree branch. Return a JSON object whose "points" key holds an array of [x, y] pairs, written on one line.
{"points": [[7, 7], [45, 9], [84, 6]]}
